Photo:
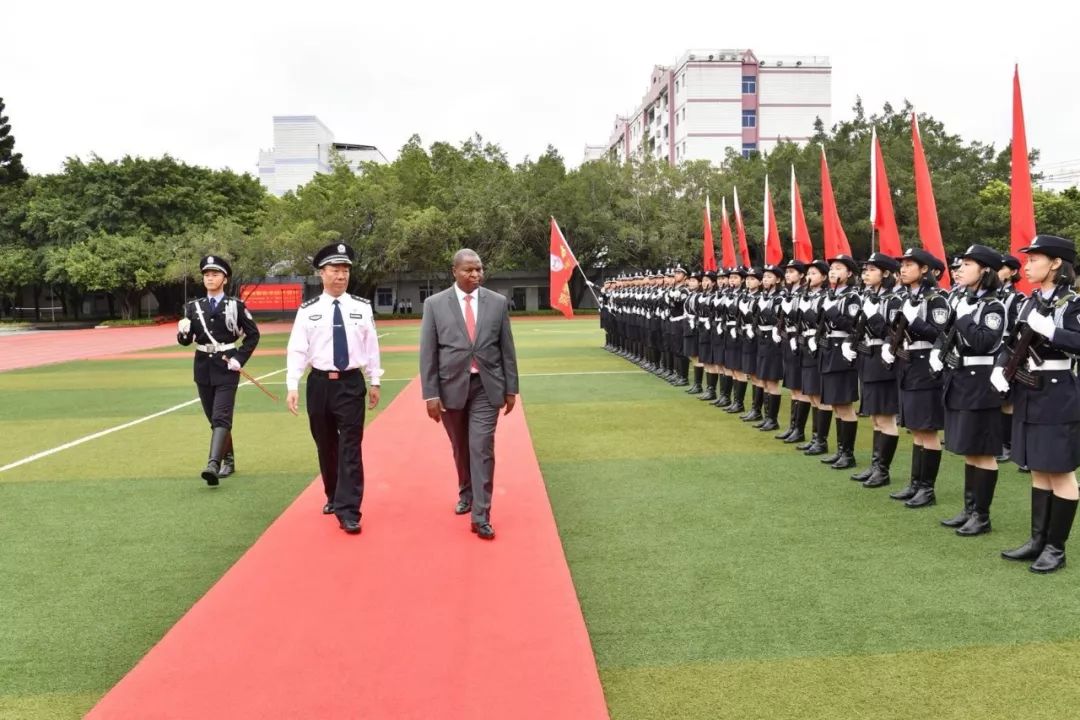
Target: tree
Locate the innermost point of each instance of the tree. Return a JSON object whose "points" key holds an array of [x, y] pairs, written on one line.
{"points": [[11, 167]]}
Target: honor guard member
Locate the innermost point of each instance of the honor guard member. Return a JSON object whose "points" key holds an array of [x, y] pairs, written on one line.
{"points": [[839, 378], [690, 348], [809, 316], [748, 327], [923, 316], [730, 306], [770, 359], [334, 333], [707, 336], [1046, 399], [678, 325], [878, 391], [787, 322], [215, 324], [966, 357], [1012, 299]]}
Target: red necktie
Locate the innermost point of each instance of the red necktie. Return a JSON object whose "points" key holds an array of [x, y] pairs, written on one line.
{"points": [[470, 326]]}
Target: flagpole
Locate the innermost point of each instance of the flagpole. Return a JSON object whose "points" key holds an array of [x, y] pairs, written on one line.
{"points": [[873, 186], [566, 244]]}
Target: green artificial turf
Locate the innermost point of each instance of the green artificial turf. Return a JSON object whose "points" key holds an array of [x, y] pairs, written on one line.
{"points": [[721, 574]]}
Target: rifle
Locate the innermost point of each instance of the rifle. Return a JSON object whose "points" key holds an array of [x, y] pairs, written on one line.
{"points": [[898, 335], [858, 337], [1024, 346], [822, 325], [950, 354]]}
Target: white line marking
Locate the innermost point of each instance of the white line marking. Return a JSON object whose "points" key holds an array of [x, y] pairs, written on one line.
{"points": [[103, 433]]}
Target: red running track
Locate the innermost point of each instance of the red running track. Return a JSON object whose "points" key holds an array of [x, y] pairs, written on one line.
{"points": [[415, 618], [45, 347]]}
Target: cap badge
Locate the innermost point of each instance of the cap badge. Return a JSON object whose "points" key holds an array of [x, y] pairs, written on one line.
{"points": [[341, 248]]}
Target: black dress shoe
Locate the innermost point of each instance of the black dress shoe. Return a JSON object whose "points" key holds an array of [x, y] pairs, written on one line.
{"points": [[462, 507], [483, 531], [844, 462], [769, 425], [328, 509], [796, 436], [352, 527], [817, 448]]}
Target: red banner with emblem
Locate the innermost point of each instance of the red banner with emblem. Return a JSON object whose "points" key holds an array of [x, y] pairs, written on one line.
{"points": [[277, 297], [563, 263]]}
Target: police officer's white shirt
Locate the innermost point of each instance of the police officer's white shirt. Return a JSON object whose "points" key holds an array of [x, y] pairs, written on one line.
{"points": [[312, 339]]}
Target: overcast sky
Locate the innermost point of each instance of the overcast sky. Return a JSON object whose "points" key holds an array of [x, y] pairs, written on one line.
{"points": [[201, 80]]}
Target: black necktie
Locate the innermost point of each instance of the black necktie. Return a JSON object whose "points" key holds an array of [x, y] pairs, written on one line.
{"points": [[341, 344], [213, 305]]}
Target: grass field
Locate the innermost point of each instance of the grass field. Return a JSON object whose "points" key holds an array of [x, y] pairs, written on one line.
{"points": [[721, 574]]}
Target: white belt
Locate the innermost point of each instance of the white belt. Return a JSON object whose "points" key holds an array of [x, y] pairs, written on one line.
{"points": [[809, 333], [674, 319], [763, 328], [874, 342], [215, 348], [921, 345], [838, 334], [1049, 365], [978, 360], [731, 322]]}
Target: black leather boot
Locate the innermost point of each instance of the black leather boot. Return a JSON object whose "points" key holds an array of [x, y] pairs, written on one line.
{"points": [[1040, 520], [723, 395], [695, 389], [228, 461], [798, 433], [791, 422], [985, 482], [757, 397], [821, 438], [710, 388], [1052, 557], [824, 434], [772, 409], [846, 431], [802, 447], [961, 518], [887, 450], [874, 456], [916, 470], [1006, 438], [217, 446], [738, 396], [682, 368], [924, 496]]}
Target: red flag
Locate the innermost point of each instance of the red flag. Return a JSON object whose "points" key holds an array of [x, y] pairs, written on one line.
{"points": [[836, 241], [800, 235], [708, 252], [563, 263], [882, 217], [929, 230], [740, 229], [727, 244], [774, 254], [1022, 206]]}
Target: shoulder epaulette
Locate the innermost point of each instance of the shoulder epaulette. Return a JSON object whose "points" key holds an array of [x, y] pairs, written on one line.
{"points": [[361, 299], [309, 303]]}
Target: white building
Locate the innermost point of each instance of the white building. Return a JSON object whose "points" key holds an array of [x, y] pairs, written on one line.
{"points": [[303, 146], [712, 100]]}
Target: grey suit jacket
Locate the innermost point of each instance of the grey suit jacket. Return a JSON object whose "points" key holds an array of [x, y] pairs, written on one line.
{"points": [[446, 352]]}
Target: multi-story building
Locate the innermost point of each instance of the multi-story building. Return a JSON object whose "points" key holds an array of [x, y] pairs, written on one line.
{"points": [[303, 146], [713, 100]]}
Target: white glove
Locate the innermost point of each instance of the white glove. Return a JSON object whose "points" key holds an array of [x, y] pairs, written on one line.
{"points": [[750, 333], [794, 345], [184, 326], [733, 334], [234, 364], [997, 379], [1042, 324], [812, 344], [871, 308], [935, 361], [911, 312], [964, 308], [708, 324], [886, 355], [776, 336], [848, 352]]}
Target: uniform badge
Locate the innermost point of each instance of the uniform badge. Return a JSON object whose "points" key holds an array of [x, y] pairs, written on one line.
{"points": [[357, 316], [314, 317], [210, 260], [341, 248], [853, 309], [993, 321], [941, 315]]}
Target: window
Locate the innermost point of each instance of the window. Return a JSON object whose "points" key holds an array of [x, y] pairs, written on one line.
{"points": [[749, 118], [384, 297], [749, 85], [748, 148], [543, 300], [517, 299], [426, 292]]}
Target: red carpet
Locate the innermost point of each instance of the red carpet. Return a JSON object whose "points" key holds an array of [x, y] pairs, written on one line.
{"points": [[415, 618]]}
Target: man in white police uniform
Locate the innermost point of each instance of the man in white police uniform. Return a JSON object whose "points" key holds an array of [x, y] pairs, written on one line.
{"points": [[335, 334]]}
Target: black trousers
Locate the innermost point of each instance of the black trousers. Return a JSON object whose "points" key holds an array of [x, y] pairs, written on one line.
{"points": [[218, 402], [336, 415]]}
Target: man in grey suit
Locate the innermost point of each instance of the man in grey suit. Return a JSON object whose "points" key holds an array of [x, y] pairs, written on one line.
{"points": [[468, 370]]}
